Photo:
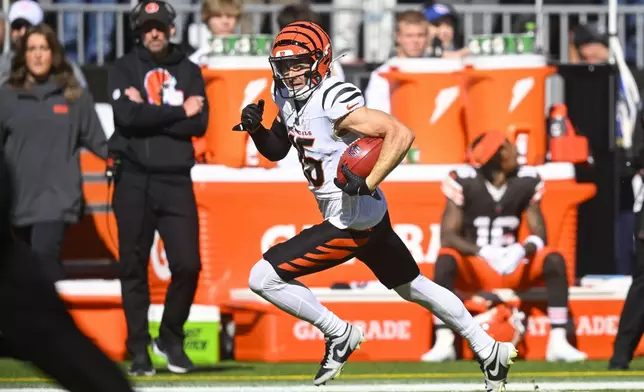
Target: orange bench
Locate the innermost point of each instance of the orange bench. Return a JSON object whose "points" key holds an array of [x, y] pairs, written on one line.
{"points": [[400, 331]]}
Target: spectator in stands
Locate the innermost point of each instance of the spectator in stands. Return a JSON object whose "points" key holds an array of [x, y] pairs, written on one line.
{"points": [[303, 12], [71, 21], [443, 27], [219, 18], [43, 150], [24, 14], [591, 43], [253, 22], [411, 41]]}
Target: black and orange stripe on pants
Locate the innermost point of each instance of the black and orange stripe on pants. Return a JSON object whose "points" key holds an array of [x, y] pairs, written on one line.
{"points": [[324, 246]]}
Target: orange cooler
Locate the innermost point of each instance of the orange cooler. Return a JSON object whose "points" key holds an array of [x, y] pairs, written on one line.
{"points": [[507, 93], [233, 82], [427, 98]]}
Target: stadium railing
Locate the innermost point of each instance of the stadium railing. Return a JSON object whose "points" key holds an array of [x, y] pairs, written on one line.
{"points": [[475, 19]]}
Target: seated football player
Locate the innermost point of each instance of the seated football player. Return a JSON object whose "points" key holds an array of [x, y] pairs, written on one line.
{"points": [[479, 228]]}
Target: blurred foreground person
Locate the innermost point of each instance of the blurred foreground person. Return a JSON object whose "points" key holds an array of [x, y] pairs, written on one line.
{"points": [[35, 325]]}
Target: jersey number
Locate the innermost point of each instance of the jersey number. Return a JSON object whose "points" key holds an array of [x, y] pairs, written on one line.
{"points": [[312, 168], [492, 231]]}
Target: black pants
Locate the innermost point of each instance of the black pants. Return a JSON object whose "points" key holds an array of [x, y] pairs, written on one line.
{"points": [[631, 323], [46, 240], [142, 204], [36, 327]]}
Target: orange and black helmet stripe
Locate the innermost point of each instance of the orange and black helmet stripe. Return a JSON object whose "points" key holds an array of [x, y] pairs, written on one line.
{"points": [[315, 36]]}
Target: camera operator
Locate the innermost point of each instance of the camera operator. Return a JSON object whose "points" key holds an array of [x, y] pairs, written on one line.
{"points": [[158, 99]]}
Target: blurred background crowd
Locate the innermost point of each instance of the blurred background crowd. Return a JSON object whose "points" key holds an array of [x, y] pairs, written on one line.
{"points": [[96, 31]]}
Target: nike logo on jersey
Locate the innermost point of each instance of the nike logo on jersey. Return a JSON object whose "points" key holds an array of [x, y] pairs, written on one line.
{"points": [[349, 107]]}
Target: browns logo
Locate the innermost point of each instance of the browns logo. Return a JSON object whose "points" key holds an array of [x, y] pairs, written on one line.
{"points": [[151, 8], [155, 81]]}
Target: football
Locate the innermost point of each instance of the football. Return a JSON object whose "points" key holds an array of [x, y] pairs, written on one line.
{"points": [[360, 156]]}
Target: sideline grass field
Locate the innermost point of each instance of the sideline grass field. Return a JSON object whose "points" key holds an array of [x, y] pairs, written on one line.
{"points": [[360, 377]]}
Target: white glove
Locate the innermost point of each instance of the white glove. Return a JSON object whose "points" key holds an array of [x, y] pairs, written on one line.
{"points": [[494, 255], [512, 256]]}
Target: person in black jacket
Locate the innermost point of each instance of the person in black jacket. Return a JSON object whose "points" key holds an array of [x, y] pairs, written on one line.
{"points": [[631, 322], [45, 119], [35, 325], [158, 99]]}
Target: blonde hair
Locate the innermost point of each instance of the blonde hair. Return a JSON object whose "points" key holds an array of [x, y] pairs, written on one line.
{"points": [[411, 17], [211, 8]]}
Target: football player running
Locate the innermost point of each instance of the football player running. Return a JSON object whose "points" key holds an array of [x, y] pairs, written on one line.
{"points": [[479, 235], [320, 116]]}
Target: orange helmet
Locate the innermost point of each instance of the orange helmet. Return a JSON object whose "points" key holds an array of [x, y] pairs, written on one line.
{"points": [[300, 44], [503, 323]]}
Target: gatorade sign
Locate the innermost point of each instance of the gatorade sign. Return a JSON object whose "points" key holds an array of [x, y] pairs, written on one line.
{"points": [[159, 259]]}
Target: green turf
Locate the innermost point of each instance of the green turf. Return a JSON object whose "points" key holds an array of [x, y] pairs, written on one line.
{"points": [[16, 374]]}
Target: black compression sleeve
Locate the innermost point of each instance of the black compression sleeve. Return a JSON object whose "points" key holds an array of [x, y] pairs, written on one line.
{"points": [[272, 143]]}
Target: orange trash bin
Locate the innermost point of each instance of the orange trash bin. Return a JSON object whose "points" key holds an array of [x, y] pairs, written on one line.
{"points": [[233, 82], [426, 98], [507, 93]]}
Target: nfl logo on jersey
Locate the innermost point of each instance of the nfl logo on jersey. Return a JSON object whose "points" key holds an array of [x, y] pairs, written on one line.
{"points": [[354, 150]]}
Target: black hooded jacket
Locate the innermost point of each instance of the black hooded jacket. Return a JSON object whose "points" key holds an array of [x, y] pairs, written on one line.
{"points": [[156, 136]]}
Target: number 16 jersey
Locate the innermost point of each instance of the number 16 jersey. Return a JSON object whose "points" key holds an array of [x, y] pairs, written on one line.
{"points": [[311, 130], [492, 216]]}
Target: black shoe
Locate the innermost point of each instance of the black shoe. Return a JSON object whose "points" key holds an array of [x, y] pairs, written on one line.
{"points": [[617, 366], [141, 365], [178, 361]]}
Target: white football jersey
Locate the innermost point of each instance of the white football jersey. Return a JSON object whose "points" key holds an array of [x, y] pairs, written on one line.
{"points": [[311, 132]]}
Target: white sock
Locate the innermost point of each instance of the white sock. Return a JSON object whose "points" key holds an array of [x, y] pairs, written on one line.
{"points": [[558, 316], [558, 334], [444, 337], [450, 309], [294, 298]]}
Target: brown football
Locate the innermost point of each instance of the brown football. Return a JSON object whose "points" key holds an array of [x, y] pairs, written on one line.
{"points": [[360, 156]]}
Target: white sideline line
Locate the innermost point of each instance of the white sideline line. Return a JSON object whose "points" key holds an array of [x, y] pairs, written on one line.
{"points": [[398, 387]]}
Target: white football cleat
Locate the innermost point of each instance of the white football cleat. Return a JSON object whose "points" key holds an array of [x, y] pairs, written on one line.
{"points": [[337, 352], [497, 365]]}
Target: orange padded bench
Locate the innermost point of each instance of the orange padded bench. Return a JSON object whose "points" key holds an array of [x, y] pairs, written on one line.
{"points": [[400, 331]]}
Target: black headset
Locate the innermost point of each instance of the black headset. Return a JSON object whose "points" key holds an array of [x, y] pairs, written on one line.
{"points": [[136, 13]]}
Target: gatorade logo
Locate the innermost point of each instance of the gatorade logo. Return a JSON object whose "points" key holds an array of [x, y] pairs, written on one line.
{"points": [[159, 258], [252, 91], [520, 90], [444, 99]]}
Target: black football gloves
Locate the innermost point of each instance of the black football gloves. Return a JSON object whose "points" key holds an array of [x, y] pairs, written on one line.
{"points": [[251, 117], [355, 185]]}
